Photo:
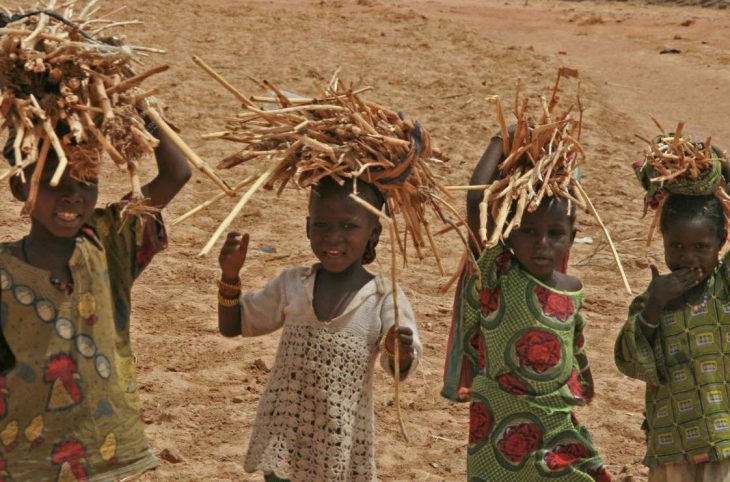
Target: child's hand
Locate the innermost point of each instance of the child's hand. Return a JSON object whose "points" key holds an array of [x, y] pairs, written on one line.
{"points": [[233, 255], [665, 288], [405, 345]]}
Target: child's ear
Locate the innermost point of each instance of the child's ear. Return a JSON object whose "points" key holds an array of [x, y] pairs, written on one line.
{"points": [[308, 237], [19, 188], [375, 234]]}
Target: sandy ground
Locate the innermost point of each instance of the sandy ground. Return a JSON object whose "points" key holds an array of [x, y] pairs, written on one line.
{"points": [[435, 61]]}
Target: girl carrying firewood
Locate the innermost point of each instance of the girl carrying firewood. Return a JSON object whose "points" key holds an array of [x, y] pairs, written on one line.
{"points": [[69, 406], [676, 337], [524, 344], [315, 419], [517, 348]]}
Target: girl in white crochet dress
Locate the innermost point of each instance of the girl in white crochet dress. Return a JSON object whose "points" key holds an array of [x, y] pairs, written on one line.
{"points": [[315, 419]]}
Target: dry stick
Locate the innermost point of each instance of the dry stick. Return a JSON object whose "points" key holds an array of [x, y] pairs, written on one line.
{"points": [[245, 182], [237, 209], [106, 104], [396, 326], [199, 62], [137, 79], [616, 258], [435, 250], [48, 129], [105, 144], [189, 153], [36, 178]]}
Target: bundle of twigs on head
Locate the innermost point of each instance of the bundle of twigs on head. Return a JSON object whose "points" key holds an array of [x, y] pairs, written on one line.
{"points": [[66, 87], [679, 165], [541, 157], [343, 136]]}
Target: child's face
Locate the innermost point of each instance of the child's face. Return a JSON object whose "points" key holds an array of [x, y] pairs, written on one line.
{"points": [[692, 244], [63, 209], [339, 230], [543, 240]]}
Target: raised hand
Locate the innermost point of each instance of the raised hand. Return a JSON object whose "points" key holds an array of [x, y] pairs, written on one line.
{"points": [[233, 255], [665, 288]]}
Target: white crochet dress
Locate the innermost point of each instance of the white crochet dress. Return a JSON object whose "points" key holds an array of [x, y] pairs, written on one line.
{"points": [[315, 419]]}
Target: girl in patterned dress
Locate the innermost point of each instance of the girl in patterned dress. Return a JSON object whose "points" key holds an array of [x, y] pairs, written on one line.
{"points": [[69, 405], [315, 419], [519, 338], [677, 340]]}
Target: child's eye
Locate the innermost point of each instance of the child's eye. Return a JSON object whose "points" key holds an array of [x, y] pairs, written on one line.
{"points": [[349, 226], [556, 233], [675, 245]]}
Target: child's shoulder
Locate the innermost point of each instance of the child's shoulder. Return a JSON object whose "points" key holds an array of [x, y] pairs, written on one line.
{"points": [[565, 282]]}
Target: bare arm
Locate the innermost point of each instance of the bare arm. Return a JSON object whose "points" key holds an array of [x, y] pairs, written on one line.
{"points": [[485, 172], [173, 171], [231, 259]]}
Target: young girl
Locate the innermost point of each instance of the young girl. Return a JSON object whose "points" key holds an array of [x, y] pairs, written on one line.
{"points": [[677, 339], [69, 407], [315, 419], [522, 339]]}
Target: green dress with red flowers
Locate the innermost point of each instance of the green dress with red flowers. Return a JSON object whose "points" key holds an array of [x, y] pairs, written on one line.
{"points": [[525, 342]]}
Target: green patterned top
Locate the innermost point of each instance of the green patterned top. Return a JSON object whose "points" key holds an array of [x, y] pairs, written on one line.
{"points": [[525, 343], [686, 373]]}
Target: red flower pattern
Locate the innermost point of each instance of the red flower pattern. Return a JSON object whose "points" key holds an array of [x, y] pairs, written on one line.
{"points": [[553, 304], [489, 301], [518, 441], [564, 455], [477, 342], [538, 350], [481, 422], [600, 474], [575, 386], [502, 262], [511, 383]]}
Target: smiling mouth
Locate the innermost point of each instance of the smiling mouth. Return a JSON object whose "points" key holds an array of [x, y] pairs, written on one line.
{"points": [[333, 253], [67, 216]]}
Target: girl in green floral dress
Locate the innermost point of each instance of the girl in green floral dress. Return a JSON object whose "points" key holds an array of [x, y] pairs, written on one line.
{"points": [[520, 333]]}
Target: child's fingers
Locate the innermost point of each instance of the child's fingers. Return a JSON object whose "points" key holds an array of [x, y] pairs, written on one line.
{"points": [[405, 340], [404, 330], [243, 246], [654, 272]]}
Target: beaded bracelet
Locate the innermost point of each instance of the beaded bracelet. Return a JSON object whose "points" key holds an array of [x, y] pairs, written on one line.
{"points": [[384, 349], [228, 302], [223, 284]]}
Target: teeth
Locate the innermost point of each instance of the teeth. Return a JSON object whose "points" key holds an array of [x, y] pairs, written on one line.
{"points": [[67, 216]]}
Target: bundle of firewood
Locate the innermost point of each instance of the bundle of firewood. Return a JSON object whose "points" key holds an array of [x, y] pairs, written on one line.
{"points": [[541, 157], [343, 136], [674, 163], [65, 86]]}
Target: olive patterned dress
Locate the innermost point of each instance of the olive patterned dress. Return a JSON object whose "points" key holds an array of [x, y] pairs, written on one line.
{"points": [[69, 404]]}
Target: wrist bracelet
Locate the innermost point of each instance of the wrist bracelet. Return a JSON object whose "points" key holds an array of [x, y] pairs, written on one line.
{"points": [[640, 318], [384, 349], [228, 302], [223, 284]]}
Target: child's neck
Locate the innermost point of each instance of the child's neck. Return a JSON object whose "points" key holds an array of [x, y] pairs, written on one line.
{"points": [[334, 291], [42, 249]]}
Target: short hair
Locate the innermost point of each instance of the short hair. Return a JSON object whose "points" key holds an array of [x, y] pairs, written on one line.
{"points": [[682, 207], [327, 186]]}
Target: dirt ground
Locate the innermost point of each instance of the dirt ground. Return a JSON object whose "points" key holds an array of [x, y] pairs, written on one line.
{"points": [[435, 61]]}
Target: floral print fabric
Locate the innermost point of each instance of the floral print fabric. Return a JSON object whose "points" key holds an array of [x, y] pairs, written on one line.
{"points": [[523, 341]]}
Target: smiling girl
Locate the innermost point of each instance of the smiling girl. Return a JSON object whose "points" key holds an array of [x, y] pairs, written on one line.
{"points": [[315, 419]]}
